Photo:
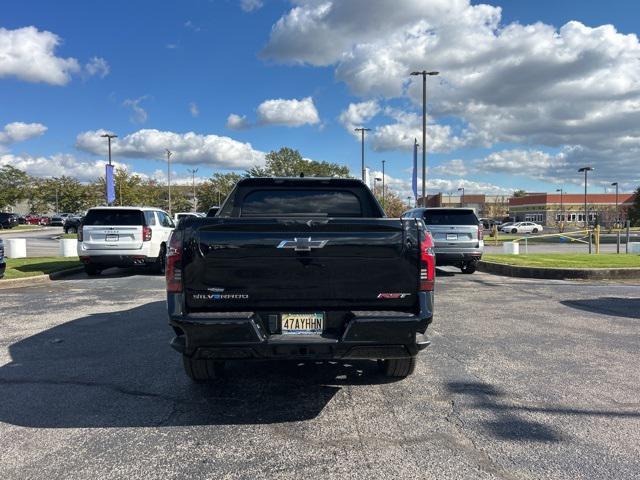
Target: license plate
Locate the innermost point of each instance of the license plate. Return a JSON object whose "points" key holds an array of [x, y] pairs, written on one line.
{"points": [[452, 236], [112, 238], [302, 323]]}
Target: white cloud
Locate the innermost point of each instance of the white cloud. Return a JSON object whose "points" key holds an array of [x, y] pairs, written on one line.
{"points": [[574, 88], [188, 148], [436, 185], [291, 113], [237, 122], [250, 5], [57, 165], [97, 66], [193, 109], [456, 168], [407, 127], [29, 54], [20, 131], [357, 114], [192, 26], [139, 114]]}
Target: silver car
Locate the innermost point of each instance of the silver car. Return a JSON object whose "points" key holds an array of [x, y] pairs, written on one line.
{"points": [[457, 234]]}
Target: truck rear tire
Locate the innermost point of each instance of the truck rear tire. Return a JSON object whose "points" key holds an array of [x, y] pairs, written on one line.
{"points": [[92, 270], [202, 369], [398, 367], [468, 267]]}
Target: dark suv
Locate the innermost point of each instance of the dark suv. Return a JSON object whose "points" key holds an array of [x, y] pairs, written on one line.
{"points": [[8, 220], [457, 233], [3, 264]]}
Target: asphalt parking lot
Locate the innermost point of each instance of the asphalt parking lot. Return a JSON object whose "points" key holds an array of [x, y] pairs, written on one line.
{"points": [[525, 379]]}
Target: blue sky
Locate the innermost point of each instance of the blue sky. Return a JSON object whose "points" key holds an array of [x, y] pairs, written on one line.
{"points": [[521, 101]]}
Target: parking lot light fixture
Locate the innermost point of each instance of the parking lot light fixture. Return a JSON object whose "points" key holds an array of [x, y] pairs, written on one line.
{"points": [[109, 136], [424, 74], [362, 130], [585, 170], [615, 184], [561, 205], [169, 153], [462, 197]]}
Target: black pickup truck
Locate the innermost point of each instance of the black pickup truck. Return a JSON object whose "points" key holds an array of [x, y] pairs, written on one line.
{"points": [[300, 268]]}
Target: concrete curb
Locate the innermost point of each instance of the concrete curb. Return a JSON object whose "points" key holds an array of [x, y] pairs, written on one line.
{"points": [[558, 273], [38, 279], [11, 231]]}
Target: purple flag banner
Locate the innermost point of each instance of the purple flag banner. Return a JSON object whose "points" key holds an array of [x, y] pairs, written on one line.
{"points": [[111, 186], [414, 177]]}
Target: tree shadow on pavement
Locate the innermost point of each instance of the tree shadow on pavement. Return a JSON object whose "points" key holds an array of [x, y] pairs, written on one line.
{"points": [[510, 423], [614, 306], [117, 370]]}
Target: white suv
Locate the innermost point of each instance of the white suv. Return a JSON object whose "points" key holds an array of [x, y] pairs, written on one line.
{"points": [[122, 237]]}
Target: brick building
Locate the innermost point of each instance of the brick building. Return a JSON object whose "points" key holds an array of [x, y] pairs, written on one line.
{"points": [[551, 209], [487, 206]]}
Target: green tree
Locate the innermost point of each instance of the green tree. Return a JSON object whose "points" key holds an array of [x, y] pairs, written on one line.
{"points": [[633, 214], [393, 204], [519, 193], [288, 162], [14, 186], [215, 190]]}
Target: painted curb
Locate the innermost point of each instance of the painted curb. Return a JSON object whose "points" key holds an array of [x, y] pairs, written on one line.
{"points": [[38, 279], [558, 273]]}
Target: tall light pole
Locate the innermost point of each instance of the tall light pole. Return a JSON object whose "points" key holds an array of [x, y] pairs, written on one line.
{"points": [[585, 170], [561, 204], [615, 184], [193, 172], [108, 136], [169, 153], [424, 74], [462, 198], [375, 182], [383, 161], [362, 130]]}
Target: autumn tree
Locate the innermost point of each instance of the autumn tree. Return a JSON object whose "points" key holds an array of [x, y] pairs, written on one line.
{"points": [[288, 162], [633, 213], [214, 190], [14, 185]]}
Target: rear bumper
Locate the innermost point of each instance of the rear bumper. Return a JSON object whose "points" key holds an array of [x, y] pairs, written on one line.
{"points": [[243, 335], [116, 258], [457, 257]]}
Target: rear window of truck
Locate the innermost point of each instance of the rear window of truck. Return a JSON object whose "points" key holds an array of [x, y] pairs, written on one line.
{"points": [[292, 202], [114, 217], [450, 217]]}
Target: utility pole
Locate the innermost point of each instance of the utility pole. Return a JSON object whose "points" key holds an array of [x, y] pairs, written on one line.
{"points": [[424, 74], [561, 205], [462, 197], [586, 216], [169, 153], [108, 136], [615, 184], [193, 172], [57, 206], [383, 161], [362, 130]]}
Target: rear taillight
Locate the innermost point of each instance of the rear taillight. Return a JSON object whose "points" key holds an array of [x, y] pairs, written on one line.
{"points": [[80, 235], [480, 232], [146, 234], [427, 263], [174, 263]]}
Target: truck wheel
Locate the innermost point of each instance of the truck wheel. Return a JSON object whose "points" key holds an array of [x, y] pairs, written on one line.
{"points": [[202, 369], [468, 267], [398, 367], [92, 270]]}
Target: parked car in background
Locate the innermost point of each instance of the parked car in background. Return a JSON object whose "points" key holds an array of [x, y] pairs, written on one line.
{"points": [[124, 236], [212, 211], [72, 224], [8, 220], [3, 263], [57, 221], [489, 223], [36, 220], [522, 227], [457, 233], [180, 215]]}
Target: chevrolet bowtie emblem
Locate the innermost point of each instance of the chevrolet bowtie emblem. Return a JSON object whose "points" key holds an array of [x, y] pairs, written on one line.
{"points": [[302, 244]]}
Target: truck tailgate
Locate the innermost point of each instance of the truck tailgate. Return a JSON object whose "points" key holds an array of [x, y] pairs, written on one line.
{"points": [[256, 264]]}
